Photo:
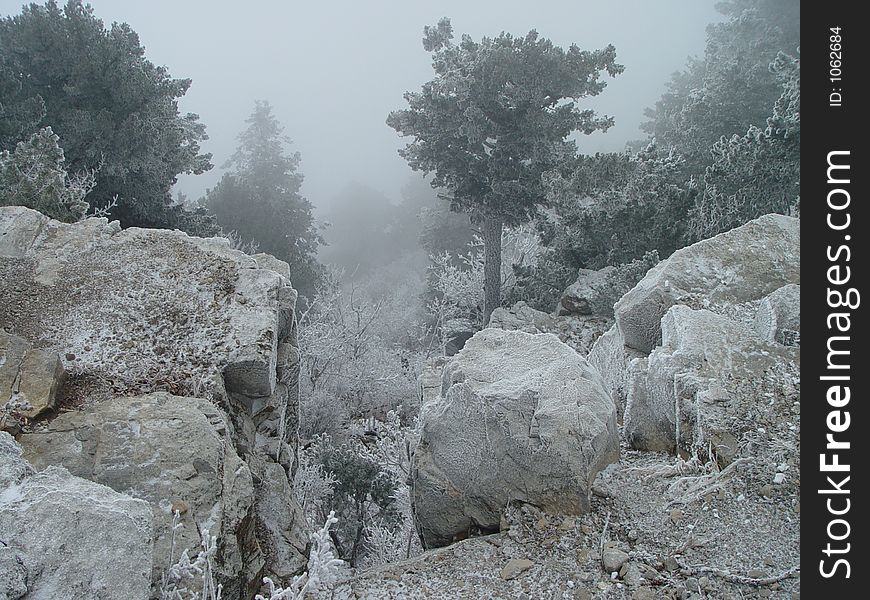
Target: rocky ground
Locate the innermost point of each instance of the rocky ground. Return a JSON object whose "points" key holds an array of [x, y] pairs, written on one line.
{"points": [[642, 540]]}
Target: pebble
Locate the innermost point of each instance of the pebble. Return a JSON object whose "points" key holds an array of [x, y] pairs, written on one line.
{"points": [[676, 516], [613, 559], [755, 573], [766, 490], [779, 478], [515, 567]]}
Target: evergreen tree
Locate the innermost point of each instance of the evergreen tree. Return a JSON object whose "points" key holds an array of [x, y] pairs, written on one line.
{"points": [[114, 111], [494, 118], [259, 199]]}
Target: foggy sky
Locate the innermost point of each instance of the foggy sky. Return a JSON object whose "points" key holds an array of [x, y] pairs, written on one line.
{"points": [[333, 70]]}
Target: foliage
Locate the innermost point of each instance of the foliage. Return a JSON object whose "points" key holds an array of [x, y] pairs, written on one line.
{"points": [[362, 490], [494, 118], [33, 175], [323, 569], [758, 172], [116, 112], [457, 281], [358, 343], [732, 87], [613, 208], [180, 574], [260, 199]]}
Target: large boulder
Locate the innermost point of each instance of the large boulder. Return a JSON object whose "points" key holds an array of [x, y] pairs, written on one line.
{"points": [[741, 265], [136, 311], [520, 417], [173, 452], [67, 538], [710, 381]]}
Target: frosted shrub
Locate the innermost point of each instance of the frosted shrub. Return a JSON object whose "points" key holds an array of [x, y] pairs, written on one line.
{"points": [[33, 175], [182, 573], [323, 569]]}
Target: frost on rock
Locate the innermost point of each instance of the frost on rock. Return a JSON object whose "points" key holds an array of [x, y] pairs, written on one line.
{"points": [[738, 266], [67, 538], [520, 417], [167, 341]]}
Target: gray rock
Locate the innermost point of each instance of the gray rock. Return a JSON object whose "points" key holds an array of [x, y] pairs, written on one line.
{"points": [[707, 375], [741, 265], [134, 311], [779, 316], [515, 567], [29, 378], [166, 450], [584, 295], [613, 559], [520, 417], [612, 359], [522, 317], [66, 538]]}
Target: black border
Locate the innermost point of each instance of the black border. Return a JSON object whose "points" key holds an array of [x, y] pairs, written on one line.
{"points": [[829, 128]]}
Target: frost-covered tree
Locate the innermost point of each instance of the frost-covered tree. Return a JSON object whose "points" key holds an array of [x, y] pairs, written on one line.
{"points": [[758, 172], [34, 175], [494, 118], [116, 112], [259, 198], [732, 87]]}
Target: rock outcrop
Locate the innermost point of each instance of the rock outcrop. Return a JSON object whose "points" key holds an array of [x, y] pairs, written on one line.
{"points": [[737, 266], [698, 353], [67, 538], [519, 418], [138, 311]]}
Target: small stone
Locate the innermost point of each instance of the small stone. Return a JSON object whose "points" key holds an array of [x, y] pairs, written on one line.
{"points": [[582, 595], [756, 574], [567, 524], [179, 506], [586, 529], [692, 584], [671, 564], [602, 585], [766, 490], [515, 567], [613, 559], [704, 582], [644, 593], [676, 516], [782, 467], [70, 356], [779, 478], [632, 535], [600, 491], [767, 560], [542, 524]]}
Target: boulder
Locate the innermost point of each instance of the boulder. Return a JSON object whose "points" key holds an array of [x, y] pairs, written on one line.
{"points": [[137, 311], [710, 381], [741, 265], [522, 317], [173, 452], [779, 316], [519, 418], [612, 359], [584, 296], [29, 381], [67, 538]]}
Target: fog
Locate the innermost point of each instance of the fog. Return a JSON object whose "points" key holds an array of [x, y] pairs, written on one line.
{"points": [[334, 70]]}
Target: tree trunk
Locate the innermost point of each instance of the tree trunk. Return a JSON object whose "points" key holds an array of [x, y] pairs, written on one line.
{"points": [[492, 226]]}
